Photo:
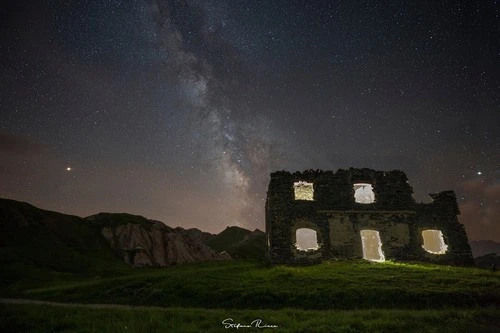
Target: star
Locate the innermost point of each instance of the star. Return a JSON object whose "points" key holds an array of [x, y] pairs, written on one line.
{"points": [[214, 129]]}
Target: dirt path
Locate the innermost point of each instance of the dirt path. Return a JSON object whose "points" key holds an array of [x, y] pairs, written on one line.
{"points": [[79, 305]]}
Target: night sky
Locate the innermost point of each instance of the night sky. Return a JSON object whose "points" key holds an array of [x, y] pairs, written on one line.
{"points": [[179, 110]]}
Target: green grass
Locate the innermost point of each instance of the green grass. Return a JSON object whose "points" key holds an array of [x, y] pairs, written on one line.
{"points": [[50, 256], [43, 318], [345, 296], [251, 285]]}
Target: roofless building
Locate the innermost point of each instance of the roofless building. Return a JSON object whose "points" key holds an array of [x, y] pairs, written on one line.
{"points": [[360, 213]]}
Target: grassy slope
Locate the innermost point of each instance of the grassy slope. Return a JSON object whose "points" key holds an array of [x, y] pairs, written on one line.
{"points": [[37, 318], [38, 246], [60, 257], [227, 238], [246, 285], [50, 239], [253, 247]]}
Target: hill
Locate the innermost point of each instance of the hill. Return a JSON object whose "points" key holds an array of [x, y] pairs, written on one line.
{"points": [[227, 238], [482, 247], [240, 243], [141, 242], [61, 258], [491, 261], [33, 239], [252, 246]]}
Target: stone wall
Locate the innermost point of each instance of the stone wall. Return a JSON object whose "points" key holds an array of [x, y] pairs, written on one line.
{"points": [[338, 219]]}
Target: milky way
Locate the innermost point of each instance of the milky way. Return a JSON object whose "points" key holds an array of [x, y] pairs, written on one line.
{"points": [[179, 110]]}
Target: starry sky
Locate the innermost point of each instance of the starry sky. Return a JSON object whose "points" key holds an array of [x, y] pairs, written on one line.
{"points": [[178, 110]]}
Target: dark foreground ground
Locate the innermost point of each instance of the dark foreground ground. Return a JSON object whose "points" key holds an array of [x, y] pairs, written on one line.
{"points": [[347, 296], [60, 318]]}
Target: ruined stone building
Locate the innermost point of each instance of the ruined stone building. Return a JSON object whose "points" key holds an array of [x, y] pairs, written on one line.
{"points": [[360, 213]]}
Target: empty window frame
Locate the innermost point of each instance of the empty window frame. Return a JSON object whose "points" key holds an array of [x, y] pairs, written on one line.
{"points": [[303, 191], [306, 239], [372, 245], [363, 193], [434, 241]]}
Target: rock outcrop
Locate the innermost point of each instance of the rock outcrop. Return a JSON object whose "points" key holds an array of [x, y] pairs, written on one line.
{"points": [[44, 239], [141, 242]]}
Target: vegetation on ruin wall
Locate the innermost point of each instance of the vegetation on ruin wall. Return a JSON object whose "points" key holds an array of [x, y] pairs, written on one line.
{"points": [[251, 285], [334, 191]]}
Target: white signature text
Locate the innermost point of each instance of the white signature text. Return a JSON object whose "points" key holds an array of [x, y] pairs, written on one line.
{"points": [[257, 323]]}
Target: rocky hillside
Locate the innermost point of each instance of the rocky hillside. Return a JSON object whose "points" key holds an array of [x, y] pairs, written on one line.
{"points": [[32, 238], [141, 242]]}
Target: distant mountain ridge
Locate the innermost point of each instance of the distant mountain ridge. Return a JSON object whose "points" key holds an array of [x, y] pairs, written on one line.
{"points": [[240, 243], [42, 238], [482, 247], [50, 240], [228, 237]]}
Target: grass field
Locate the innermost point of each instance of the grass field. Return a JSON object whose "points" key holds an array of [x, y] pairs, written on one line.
{"points": [[42, 318], [253, 285], [344, 296], [60, 258]]}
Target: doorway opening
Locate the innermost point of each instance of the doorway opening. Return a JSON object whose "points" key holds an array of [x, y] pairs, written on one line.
{"points": [[372, 245]]}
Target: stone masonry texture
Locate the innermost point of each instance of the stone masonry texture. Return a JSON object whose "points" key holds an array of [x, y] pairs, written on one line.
{"points": [[338, 219]]}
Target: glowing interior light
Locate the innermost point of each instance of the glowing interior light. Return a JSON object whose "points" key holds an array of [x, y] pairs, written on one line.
{"points": [[434, 242], [372, 245], [303, 190], [363, 193], [307, 240]]}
